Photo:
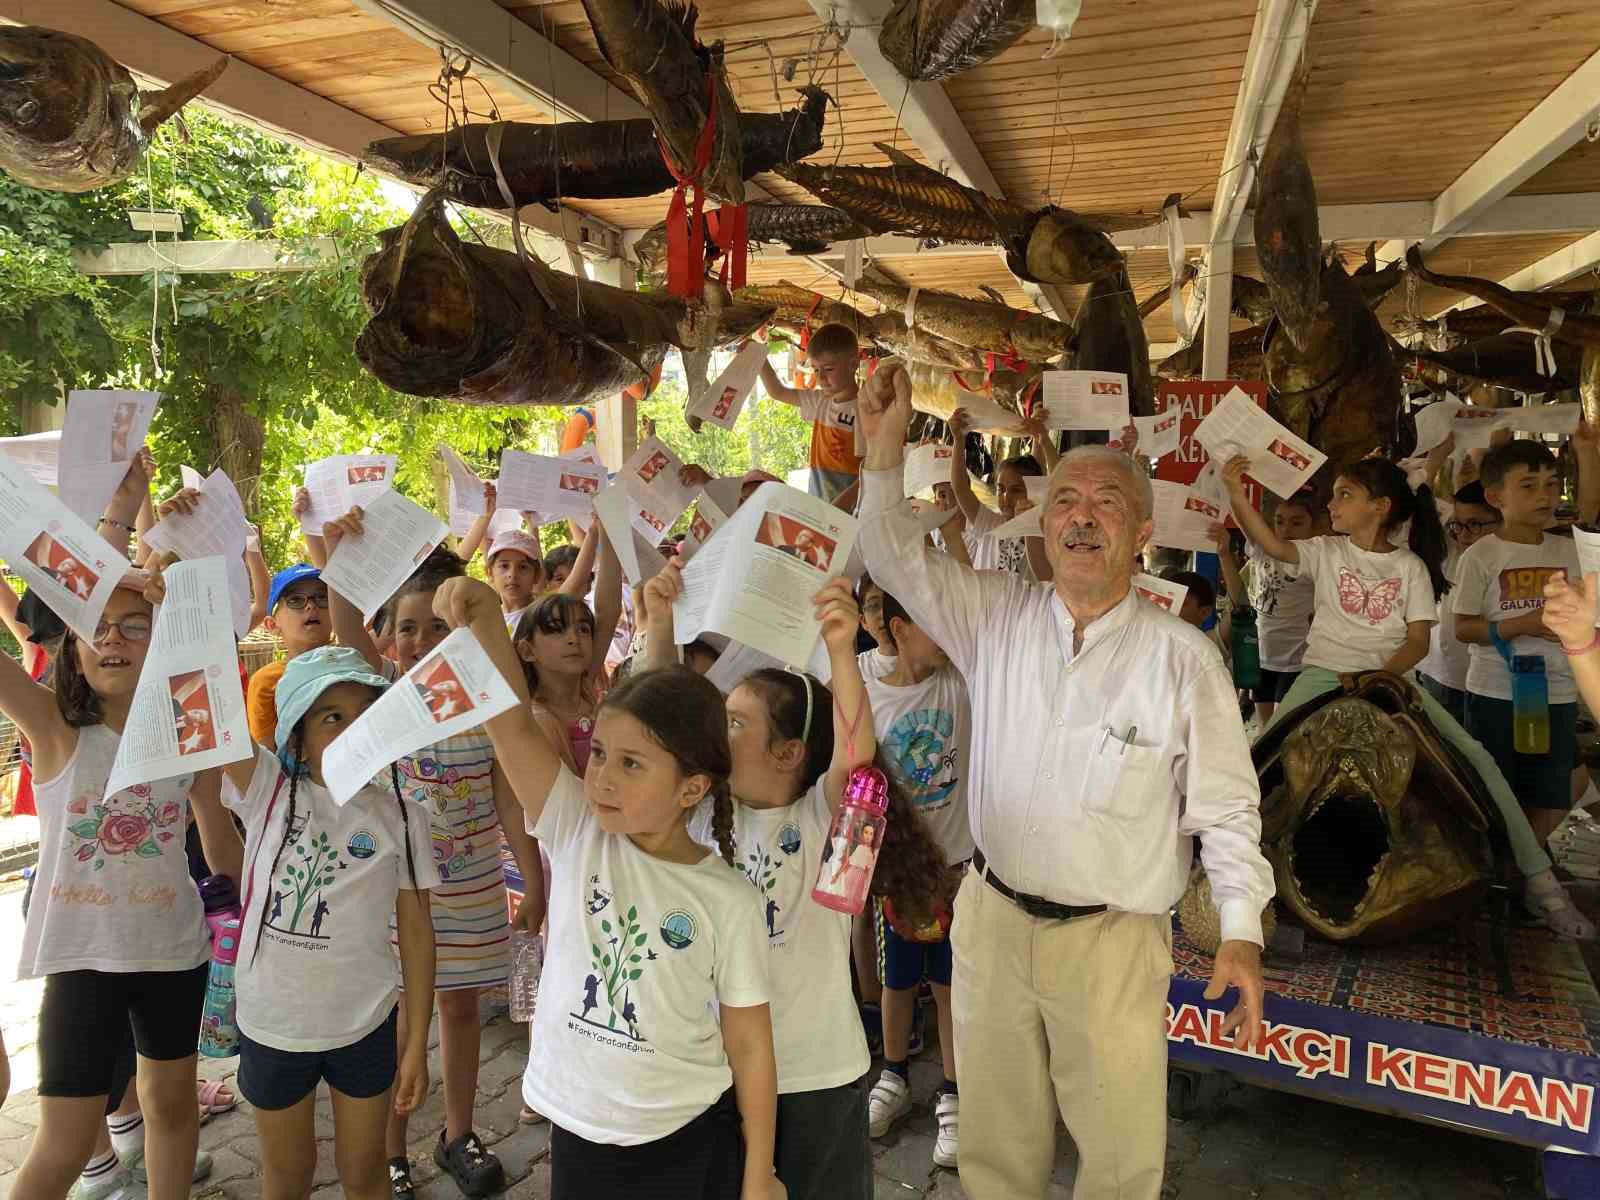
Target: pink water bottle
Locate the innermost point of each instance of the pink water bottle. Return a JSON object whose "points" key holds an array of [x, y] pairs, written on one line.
{"points": [[851, 854]]}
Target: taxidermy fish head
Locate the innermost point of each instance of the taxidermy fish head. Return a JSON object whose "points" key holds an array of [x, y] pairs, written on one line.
{"points": [[1362, 833], [68, 113]]}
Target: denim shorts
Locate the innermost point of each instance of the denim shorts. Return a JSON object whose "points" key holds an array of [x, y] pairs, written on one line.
{"points": [[278, 1079]]}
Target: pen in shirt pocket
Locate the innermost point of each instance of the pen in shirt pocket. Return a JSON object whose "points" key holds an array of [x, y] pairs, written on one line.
{"points": [[1125, 740]]}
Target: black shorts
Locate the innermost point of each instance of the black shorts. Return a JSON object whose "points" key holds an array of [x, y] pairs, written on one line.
{"points": [[84, 1025], [278, 1079], [702, 1161], [1274, 686]]}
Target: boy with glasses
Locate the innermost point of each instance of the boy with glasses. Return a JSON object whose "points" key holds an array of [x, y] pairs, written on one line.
{"points": [[297, 610], [1444, 672]]}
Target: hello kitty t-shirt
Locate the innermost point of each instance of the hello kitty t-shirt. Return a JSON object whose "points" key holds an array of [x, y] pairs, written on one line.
{"points": [[1364, 602]]}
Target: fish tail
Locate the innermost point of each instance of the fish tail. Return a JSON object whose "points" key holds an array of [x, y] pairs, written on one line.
{"points": [[159, 106]]}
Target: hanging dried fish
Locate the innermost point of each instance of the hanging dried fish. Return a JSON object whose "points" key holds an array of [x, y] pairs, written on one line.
{"points": [[1505, 360], [800, 307], [804, 228], [934, 39], [978, 324], [71, 117], [1455, 328], [917, 345], [1110, 337], [1530, 309], [482, 326], [680, 82], [1288, 241], [601, 160]]}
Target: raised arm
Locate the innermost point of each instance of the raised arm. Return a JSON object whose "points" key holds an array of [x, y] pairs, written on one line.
{"points": [[524, 754], [854, 741], [118, 523], [572, 585], [316, 547], [1238, 596], [480, 526], [775, 388], [607, 599], [966, 500], [1253, 523], [348, 626], [655, 617], [1044, 446], [260, 581]]}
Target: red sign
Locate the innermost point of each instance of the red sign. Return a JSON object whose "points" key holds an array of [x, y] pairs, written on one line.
{"points": [[1194, 399]]}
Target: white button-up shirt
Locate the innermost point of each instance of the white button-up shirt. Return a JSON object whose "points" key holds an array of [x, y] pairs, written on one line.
{"points": [[1091, 773]]}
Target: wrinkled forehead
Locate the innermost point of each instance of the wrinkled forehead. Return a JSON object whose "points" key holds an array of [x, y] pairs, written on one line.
{"points": [[1093, 477]]}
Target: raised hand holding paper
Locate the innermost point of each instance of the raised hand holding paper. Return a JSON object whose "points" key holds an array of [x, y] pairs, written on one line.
{"points": [[708, 518], [551, 487], [338, 484], [216, 527], [1279, 461], [102, 432], [1183, 518], [396, 536], [467, 500], [1085, 400], [188, 710], [927, 465], [722, 401], [1158, 435], [454, 689], [1160, 592], [618, 513], [754, 579], [1435, 422], [651, 477], [73, 569]]}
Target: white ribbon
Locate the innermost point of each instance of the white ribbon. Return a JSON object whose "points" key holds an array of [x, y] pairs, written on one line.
{"points": [[1177, 258], [1544, 352], [911, 307]]}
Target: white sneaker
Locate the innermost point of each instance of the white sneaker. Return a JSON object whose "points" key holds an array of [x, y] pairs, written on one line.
{"points": [[889, 1100], [948, 1113], [116, 1186]]}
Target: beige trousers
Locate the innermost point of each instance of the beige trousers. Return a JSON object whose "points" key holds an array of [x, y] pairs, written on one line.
{"points": [[1068, 1013]]}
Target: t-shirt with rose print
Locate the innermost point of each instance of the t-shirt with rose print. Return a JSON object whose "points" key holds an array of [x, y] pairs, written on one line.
{"points": [[112, 892], [315, 971], [1365, 602]]}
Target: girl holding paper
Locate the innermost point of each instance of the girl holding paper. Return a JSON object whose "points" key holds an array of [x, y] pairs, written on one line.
{"points": [[653, 1046], [469, 806], [107, 957]]}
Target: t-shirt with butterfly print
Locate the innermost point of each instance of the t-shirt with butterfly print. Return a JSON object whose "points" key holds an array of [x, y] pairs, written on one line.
{"points": [[1501, 580], [1364, 602]]}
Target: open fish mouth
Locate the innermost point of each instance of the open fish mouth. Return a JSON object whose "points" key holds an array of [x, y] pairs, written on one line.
{"points": [[1338, 853]]}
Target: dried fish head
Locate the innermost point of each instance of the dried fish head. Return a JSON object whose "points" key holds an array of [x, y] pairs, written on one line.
{"points": [[1288, 241], [1064, 247], [69, 114]]}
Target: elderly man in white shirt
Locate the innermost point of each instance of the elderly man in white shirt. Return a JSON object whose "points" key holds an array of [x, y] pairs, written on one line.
{"points": [[1105, 739]]}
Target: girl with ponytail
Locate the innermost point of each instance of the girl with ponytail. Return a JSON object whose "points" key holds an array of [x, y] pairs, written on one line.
{"points": [[652, 1045], [1375, 604]]}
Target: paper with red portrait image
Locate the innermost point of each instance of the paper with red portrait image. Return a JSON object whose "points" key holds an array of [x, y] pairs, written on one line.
{"points": [[1163, 593], [927, 465], [722, 401], [753, 580], [705, 519], [651, 477], [1183, 517], [216, 527], [1158, 435], [553, 487], [1084, 399], [73, 569], [452, 690], [637, 554], [338, 484], [101, 433], [396, 535], [1279, 461], [188, 710]]}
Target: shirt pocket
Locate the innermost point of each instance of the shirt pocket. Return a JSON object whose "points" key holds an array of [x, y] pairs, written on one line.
{"points": [[1125, 781]]}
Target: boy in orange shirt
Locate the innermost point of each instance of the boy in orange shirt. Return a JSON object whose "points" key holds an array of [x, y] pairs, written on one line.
{"points": [[836, 446], [297, 608]]}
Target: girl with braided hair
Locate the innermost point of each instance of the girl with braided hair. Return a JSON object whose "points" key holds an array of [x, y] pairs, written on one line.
{"points": [[795, 744], [652, 1044]]}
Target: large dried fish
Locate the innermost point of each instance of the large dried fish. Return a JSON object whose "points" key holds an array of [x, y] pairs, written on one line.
{"points": [[804, 228], [799, 308], [1530, 309], [71, 117], [1589, 386], [934, 39], [599, 160], [482, 326], [1504, 360], [1110, 337], [1288, 243], [978, 324], [653, 47], [1455, 328], [803, 308]]}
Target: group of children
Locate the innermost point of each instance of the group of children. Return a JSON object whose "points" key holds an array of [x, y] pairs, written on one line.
{"points": [[704, 1028]]}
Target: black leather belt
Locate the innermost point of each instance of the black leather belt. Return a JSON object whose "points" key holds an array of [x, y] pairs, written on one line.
{"points": [[1034, 906]]}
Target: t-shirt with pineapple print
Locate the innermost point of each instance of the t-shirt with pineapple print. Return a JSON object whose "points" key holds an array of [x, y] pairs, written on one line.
{"points": [[816, 1031], [627, 1046], [315, 971]]}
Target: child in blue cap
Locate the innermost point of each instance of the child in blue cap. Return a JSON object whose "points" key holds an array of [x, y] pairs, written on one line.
{"points": [[297, 610]]}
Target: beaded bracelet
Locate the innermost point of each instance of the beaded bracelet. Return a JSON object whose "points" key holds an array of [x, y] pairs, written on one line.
{"points": [[115, 524]]}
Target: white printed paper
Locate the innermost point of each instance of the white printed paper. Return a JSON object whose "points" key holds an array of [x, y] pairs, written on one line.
{"points": [[1024, 524], [927, 465], [1183, 519], [467, 500], [738, 662], [708, 517], [1435, 422], [345, 481], [454, 689], [1588, 545], [1279, 461], [1163, 593], [930, 516], [1559, 419], [754, 579], [188, 711], [1158, 435], [638, 556], [217, 528], [1209, 486], [985, 416], [1473, 426], [396, 535], [551, 487], [188, 477], [102, 432], [36, 453], [651, 475], [73, 569], [721, 403], [1085, 399]]}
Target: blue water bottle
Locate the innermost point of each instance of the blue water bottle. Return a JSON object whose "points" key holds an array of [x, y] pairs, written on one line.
{"points": [[219, 1031], [1530, 705]]}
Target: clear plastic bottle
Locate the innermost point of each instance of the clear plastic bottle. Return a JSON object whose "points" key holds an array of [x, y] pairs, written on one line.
{"points": [[851, 854], [219, 1031], [527, 964]]}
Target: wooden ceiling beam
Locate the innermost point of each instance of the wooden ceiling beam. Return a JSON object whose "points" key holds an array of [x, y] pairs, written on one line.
{"points": [[1533, 143], [1553, 269]]}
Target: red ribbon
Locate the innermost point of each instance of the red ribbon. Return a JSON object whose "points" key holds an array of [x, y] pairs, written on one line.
{"points": [[730, 230], [686, 234]]}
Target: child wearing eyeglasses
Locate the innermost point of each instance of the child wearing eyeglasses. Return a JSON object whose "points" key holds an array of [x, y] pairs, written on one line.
{"points": [[297, 610], [1444, 672]]}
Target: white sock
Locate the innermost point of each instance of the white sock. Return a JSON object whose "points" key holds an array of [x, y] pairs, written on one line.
{"points": [[127, 1134], [100, 1167]]}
